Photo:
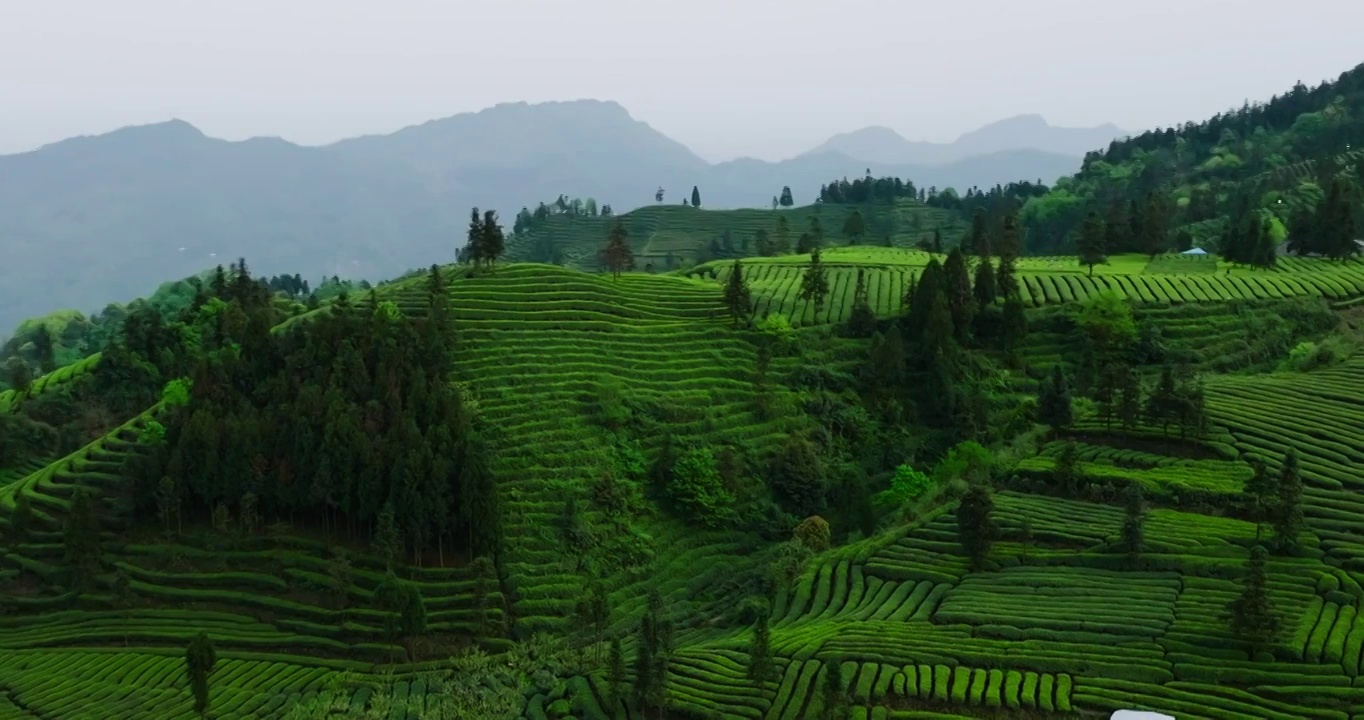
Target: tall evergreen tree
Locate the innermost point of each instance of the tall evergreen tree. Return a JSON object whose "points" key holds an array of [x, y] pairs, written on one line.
{"points": [[1155, 228], [200, 660], [80, 535], [617, 256], [1092, 242], [814, 285], [1129, 402], [937, 241], [695, 197], [1015, 323], [473, 250], [960, 301], [854, 227], [976, 241], [1251, 617], [44, 350], [738, 300], [492, 241], [1009, 249], [1259, 496], [782, 241], [786, 200], [762, 243], [862, 320], [760, 667], [984, 285], [1053, 402], [1288, 517], [976, 528], [1134, 519]]}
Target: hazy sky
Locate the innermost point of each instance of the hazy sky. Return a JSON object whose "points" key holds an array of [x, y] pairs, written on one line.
{"points": [[726, 77]]}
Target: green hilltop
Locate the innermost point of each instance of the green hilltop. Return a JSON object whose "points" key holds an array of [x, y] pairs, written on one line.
{"points": [[881, 480]]}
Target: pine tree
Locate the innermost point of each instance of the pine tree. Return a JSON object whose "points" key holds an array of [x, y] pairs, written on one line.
{"points": [[760, 667], [1251, 617], [854, 227], [862, 320], [43, 349], [1053, 402], [976, 241], [960, 301], [1009, 248], [786, 200], [937, 241], [1266, 253], [492, 241], [737, 297], [1288, 517], [473, 250], [1133, 522], [1116, 228], [834, 695], [1155, 228], [200, 659], [617, 255], [782, 242], [1162, 403], [695, 197], [814, 285], [984, 284], [1015, 327], [1259, 496], [762, 243], [976, 529], [1129, 399], [80, 535], [1092, 242]]}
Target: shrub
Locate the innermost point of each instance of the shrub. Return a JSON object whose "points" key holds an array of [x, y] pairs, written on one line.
{"points": [[813, 533], [777, 327]]}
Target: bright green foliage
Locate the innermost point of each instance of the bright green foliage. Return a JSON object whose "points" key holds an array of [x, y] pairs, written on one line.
{"points": [[697, 489], [909, 484]]}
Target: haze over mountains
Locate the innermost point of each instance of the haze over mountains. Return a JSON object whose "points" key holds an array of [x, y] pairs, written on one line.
{"points": [[92, 220]]}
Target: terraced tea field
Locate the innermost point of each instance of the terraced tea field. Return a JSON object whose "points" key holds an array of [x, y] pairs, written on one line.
{"points": [[659, 233], [775, 282]]}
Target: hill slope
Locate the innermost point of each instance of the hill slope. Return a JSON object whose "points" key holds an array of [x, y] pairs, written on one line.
{"points": [[879, 144]]}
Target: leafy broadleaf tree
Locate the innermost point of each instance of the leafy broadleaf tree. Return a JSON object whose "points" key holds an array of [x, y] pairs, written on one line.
{"points": [[1251, 616]]}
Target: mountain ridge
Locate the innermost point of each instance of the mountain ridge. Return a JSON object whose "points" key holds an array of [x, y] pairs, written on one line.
{"points": [[879, 143]]}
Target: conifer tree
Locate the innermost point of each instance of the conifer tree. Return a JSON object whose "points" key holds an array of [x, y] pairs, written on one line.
{"points": [[1092, 242], [492, 241], [976, 241], [473, 250], [1134, 519], [1259, 496], [782, 243], [737, 297], [1162, 403], [1155, 227], [695, 197], [937, 241], [200, 659], [760, 667], [80, 535], [1053, 402], [762, 243], [1009, 249], [1015, 327], [862, 320], [814, 285], [976, 528], [43, 349], [1251, 617], [960, 301], [387, 542], [984, 285], [786, 200], [1129, 399], [854, 227], [617, 255], [1288, 516], [816, 231]]}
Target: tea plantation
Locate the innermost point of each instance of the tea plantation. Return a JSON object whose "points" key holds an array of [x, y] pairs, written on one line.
{"points": [[581, 382]]}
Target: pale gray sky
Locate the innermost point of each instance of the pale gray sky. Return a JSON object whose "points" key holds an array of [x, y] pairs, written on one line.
{"points": [[766, 78]]}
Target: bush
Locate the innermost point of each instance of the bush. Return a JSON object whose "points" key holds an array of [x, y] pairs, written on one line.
{"points": [[813, 533]]}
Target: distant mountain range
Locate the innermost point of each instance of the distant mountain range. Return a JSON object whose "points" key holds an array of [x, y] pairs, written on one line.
{"points": [[1023, 132], [92, 219]]}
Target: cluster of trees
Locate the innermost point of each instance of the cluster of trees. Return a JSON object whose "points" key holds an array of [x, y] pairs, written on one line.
{"points": [[484, 242], [347, 421], [867, 189], [1329, 229], [1249, 240], [528, 220], [785, 200]]}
